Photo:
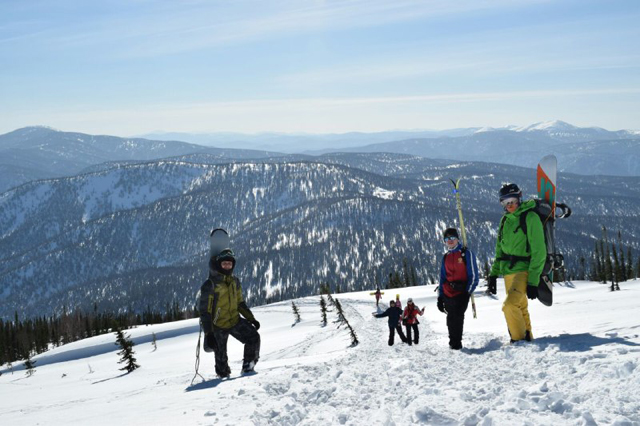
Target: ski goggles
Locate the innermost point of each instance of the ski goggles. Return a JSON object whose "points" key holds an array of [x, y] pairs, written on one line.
{"points": [[450, 238], [509, 201]]}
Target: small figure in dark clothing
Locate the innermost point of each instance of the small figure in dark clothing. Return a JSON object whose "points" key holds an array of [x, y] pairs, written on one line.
{"points": [[394, 313]]}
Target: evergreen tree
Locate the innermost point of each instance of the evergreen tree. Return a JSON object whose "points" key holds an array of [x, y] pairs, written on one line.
{"points": [[623, 265], [414, 276], [323, 311], [30, 365], [582, 273], [616, 264], [629, 272], [126, 351], [296, 312], [638, 268], [599, 267], [405, 272]]}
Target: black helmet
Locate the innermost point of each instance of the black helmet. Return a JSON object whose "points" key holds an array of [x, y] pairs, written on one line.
{"points": [[216, 261], [451, 232], [510, 190]]}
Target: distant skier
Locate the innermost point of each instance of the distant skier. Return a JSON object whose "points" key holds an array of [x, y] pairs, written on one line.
{"points": [[458, 280], [220, 303], [394, 313], [520, 259], [378, 295], [410, 320]]}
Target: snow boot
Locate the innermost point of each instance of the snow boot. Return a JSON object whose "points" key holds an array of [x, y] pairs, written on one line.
{"points": [[223, 373], [248, 367]]}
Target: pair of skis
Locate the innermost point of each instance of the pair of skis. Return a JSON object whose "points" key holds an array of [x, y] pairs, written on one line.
{"points": [[456, 187]]}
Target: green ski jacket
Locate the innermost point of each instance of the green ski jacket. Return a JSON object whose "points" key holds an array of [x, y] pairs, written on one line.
{"points": [[513, 242], [221, 301]]}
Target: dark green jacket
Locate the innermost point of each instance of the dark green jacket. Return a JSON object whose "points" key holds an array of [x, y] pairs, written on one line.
{"points": [[221, 302], [515, 243]]}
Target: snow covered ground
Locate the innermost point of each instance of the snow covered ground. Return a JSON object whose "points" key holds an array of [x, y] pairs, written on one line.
{"points": [[582, 369]]}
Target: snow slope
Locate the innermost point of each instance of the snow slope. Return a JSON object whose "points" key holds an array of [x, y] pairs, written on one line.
{"points": [[582, 369]]}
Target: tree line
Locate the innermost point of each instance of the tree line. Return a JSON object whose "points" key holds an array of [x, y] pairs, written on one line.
{"points": [[22, 338]]}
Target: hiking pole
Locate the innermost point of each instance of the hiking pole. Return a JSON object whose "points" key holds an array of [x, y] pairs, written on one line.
{"points": [[198, 358], [456, 186]]}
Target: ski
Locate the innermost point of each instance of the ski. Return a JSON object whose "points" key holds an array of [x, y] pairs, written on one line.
{"points": [[456, 191]]}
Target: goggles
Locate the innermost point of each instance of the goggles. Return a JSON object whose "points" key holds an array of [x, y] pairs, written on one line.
{"points": [[450, 238], [509, 201]]}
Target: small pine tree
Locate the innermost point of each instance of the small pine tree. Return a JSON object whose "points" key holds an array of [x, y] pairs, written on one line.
{"points": [[638, 268], [126, 352], [354, 336], [30, 365], [296, 312], [616, 264], [341, 317], [629, 264], [323, 311], [597, 269], [154, 342]]}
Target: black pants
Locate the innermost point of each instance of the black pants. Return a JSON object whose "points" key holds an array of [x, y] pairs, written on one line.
{"points": [[415, 332], [456, 307], [245, 333], [392, 333]]}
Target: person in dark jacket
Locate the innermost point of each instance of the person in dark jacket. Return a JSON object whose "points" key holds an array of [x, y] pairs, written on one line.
{"points": [[221, 305], [410, 319], [394, 313], [458, 280]]}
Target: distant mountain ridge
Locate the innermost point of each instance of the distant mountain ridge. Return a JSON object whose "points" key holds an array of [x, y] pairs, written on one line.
{"points": [[135, 235], [40, 152]]}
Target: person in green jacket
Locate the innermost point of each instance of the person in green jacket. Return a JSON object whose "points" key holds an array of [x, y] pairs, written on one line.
{"points": [[520, 259], [221, 303]]}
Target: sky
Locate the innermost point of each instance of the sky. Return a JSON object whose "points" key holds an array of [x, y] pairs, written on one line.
{"points": [[127, 67]]}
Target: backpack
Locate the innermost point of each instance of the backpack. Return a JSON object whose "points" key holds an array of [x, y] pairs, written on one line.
{"points": [[544, 211]]}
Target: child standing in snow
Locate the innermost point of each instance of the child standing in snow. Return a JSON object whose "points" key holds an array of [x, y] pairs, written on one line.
{"points": [[458, 280], [394, 313], [410, 319]]}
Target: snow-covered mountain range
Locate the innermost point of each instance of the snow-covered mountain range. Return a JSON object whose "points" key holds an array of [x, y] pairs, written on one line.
{"points": [[40, 152], [135, 235], [582, 369]]}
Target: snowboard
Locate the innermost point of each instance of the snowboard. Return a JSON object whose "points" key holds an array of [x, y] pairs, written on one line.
{"points": [[547, 185], [218, 241]]}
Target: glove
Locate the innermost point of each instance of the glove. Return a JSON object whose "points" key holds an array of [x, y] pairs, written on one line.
{"points": [[256, 324], [441, 305], [492, 285], [532, 292]]}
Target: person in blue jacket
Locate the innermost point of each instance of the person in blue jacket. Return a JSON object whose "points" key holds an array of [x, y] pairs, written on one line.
{"points": [[458, 280], [394, 313]]}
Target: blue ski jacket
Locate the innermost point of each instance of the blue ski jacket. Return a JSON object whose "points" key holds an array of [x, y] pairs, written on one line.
{"points": [[471, 264]]}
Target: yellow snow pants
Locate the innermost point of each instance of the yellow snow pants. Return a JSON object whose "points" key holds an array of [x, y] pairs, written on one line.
{"points": [[515, 305]]}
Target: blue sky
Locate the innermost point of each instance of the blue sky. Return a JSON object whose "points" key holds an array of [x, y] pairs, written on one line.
{"points": [[131, 67]]}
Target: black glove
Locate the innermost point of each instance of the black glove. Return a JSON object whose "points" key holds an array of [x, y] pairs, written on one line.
{"points": [[209, 342], [492, 285], [255, 323], [532, 292], [441, 305]]}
